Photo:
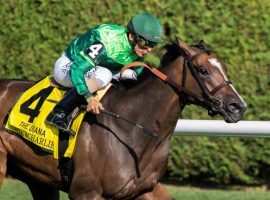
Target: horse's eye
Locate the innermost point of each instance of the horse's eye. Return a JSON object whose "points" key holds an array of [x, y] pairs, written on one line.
{"points": [[203, 71]]}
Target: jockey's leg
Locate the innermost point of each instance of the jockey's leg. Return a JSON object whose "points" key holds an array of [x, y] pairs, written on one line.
{"points": [[96, 78], [58, 117]]}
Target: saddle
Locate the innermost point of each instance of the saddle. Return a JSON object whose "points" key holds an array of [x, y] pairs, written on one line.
{"points": [[27, 118]]}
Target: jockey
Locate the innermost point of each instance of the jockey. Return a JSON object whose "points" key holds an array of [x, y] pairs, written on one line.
{"points": [[93, 59]]}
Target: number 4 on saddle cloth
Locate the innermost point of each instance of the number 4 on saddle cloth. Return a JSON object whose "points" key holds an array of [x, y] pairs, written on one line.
{"points": [[27, 117]]}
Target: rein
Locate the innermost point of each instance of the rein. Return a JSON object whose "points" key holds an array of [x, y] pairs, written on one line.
{"points": [[145, 130]]}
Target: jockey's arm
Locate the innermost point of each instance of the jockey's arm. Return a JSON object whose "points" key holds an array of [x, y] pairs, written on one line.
{"points": [[78, 80], [77, 70], [129, 74], [132, 73], [83, 52], [82, 62]]}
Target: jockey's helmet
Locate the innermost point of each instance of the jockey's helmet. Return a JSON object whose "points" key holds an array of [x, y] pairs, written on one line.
{"points": [[146, 26]]}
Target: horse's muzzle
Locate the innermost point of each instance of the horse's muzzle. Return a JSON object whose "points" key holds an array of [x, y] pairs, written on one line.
{"points": [[235, 111]]}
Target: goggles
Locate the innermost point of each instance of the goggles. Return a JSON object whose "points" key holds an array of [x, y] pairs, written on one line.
{"points": [[143, 43]]}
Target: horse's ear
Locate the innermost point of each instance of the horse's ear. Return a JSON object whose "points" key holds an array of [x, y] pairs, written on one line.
{"points": [[167, 30], [188, 50], [203, 44]]}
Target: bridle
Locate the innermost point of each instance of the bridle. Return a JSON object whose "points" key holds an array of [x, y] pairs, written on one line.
{"points": [[207, 97], [216, 105]]}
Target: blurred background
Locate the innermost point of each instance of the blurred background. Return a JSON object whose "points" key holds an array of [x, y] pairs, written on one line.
{"points": [[33, 34]]}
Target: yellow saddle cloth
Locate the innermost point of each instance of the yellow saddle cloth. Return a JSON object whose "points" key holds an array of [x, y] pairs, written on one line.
{"points": [[27, 117]]}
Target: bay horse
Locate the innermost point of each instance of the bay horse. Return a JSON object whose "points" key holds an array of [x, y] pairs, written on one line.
{"points": [[112, 159]]}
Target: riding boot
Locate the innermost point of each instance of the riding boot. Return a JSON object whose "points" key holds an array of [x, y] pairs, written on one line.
{"points": [[58, 116]]}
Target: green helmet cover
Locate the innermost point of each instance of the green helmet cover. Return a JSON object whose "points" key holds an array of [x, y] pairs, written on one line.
{"points": [[146, 26]]}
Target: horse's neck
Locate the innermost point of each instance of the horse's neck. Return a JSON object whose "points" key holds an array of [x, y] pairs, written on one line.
{"points": [[174, 70], [154, 104]]}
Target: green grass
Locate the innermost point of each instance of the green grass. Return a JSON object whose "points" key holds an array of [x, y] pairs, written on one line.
{"points": [[15, 190], [190, 193]]}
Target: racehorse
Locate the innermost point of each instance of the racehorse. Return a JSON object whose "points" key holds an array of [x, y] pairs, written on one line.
{"points": [[113, 159]]}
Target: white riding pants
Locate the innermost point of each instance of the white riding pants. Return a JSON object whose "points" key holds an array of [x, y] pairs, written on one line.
{"points": [[101, 74], [62, 73]]}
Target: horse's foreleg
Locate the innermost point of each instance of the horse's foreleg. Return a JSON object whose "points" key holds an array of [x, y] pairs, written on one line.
{"points": [[86, 196], [3, 161], [43, 192], [159, 193]]}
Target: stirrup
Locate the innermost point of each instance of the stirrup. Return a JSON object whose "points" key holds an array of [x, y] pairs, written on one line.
{"points": [[54, 119], [68, 129], [74, 114]]}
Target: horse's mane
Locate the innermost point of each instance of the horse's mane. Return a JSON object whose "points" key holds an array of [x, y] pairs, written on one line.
{"points": [[202, 47], [172, 51]]}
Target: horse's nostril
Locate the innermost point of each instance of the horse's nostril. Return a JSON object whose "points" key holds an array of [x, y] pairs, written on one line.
{"points": [[236, 107]]}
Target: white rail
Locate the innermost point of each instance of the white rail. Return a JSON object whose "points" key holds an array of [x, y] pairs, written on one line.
{"points": [[220, 128]]}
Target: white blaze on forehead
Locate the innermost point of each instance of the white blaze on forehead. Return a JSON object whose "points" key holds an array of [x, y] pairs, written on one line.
{"points": [[217, 64], [245, 104]]}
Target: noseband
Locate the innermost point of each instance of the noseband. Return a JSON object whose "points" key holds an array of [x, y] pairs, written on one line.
{"points": [[215, 105]]}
